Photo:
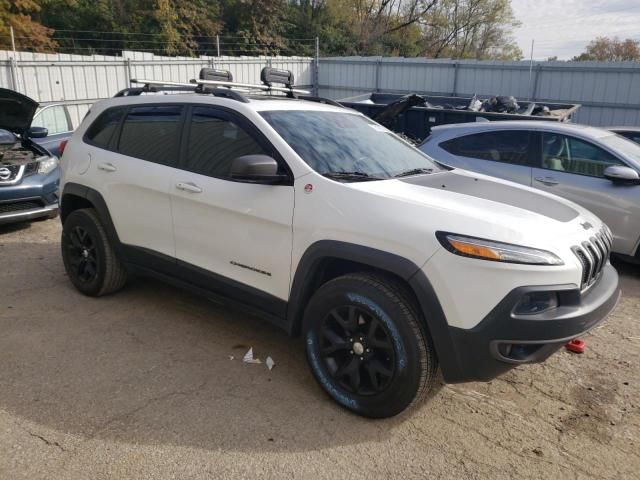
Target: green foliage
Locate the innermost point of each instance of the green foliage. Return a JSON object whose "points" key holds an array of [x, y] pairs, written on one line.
{"points": [[604, 49], [20, 14], [431, 28]]}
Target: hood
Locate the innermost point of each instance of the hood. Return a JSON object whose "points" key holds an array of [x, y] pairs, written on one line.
{"points": [[482, 206], [16, 111]]}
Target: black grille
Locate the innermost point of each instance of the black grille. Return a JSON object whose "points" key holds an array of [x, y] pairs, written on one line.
{"points": [[14, 170], [20, 206], [593, 255]]}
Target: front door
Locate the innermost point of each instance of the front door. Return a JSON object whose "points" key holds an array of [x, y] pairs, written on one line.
{"points": [[574, 169], [231, 235]]}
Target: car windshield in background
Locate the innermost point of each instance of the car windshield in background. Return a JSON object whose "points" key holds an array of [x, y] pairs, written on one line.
{"points": [[348, 146], [624, 146]]}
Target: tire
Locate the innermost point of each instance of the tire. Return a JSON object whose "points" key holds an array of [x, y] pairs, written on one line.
{"points": [[89, 258], [366, 345]]}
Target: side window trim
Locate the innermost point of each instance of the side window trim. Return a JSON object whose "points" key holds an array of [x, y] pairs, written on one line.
{"points": [[245, 124]]}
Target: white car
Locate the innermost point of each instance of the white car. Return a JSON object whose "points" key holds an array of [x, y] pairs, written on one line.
{"points": [[332, 227]]}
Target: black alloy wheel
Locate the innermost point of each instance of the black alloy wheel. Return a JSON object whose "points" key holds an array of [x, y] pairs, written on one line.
{"points": [[82, 254], [357, 350]]}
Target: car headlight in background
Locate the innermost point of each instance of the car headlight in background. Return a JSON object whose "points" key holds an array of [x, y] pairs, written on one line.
{"points": [[47, 165], [496, 251]]}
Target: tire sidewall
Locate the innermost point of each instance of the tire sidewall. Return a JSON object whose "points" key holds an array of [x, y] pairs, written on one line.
{"points": [[83, 219], [404, 386]]}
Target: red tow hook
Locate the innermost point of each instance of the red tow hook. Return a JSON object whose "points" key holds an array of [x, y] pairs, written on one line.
{"points": [[575, 346]]}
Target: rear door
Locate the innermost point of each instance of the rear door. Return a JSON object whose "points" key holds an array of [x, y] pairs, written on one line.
{"points": [[573, 168], [133, 158], [233, 236], [505, 154]]}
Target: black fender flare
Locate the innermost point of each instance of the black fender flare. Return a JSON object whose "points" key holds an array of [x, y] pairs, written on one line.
{"points": [[96, 199], [412, 274]]}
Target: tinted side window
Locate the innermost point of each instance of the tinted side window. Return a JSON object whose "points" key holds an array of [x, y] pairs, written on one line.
{"points": [[507, 146], [152, 133], [54, 119], [569, 154], [215, 141], [102, 129]]}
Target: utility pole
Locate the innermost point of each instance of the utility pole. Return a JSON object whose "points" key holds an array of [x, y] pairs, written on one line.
{"points": [[218, 44], [13, 63], [531, 69], [13, 40], [316, 70]]}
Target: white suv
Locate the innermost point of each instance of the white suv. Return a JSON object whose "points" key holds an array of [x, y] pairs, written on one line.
{"points": [[332, 227]]}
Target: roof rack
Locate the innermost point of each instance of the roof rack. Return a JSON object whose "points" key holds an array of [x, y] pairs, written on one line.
{"points": [[220, 84]]}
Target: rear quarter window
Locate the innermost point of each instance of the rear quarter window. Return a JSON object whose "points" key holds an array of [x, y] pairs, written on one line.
{"points": [[102, 130]]}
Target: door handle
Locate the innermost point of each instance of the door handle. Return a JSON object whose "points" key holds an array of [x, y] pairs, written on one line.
{"points": [[547, 180], [107, 167], [188, 187]]}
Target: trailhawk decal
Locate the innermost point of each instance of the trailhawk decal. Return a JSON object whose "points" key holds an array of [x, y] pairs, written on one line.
{"points": [[496, 192]]}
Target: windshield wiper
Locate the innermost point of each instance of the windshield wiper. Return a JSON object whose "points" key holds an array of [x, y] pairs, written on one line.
{"points": [[351, 176], [414, 171]]}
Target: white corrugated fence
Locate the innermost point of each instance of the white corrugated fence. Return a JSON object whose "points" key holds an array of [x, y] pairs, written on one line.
{"points": [[609, 92], [81, 80]]}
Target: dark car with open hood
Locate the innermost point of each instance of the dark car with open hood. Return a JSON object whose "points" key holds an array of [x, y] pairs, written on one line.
{"points": [[29, 173]]}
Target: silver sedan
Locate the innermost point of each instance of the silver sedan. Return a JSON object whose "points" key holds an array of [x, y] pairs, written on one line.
{"points": [[590, 166]]}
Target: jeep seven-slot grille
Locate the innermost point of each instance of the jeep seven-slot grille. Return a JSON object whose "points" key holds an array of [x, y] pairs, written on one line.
{"points": [[593, 255]]}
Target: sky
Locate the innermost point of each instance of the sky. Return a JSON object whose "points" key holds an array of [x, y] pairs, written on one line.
{"points": [[563, 28]]}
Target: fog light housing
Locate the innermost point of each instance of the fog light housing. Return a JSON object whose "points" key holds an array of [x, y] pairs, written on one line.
{"points": [[536, 302]]}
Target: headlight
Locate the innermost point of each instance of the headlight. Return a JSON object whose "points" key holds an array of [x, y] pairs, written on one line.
{"points": [[495, 251], [47, 165]]}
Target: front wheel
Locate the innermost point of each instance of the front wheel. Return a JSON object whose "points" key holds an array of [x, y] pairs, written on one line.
{"points": [[89, 258], [366, 345]]}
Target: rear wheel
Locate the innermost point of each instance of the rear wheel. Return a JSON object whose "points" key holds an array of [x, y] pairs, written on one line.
{"points": [[89, 258], [366, 346]]}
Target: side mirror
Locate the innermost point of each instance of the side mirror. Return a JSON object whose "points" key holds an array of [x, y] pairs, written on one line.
{"points": [[256, 169], [37, 132], [620, 174]]}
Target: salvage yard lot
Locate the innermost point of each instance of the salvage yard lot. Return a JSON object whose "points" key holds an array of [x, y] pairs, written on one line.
{"points": [[140, 385]]}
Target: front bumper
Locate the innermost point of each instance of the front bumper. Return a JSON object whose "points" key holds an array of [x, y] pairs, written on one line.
{"points": [[36, 196], [503, 340]]}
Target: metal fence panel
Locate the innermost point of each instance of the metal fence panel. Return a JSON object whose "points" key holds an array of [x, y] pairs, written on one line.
{"points": [[81, 80], [609, 92]]}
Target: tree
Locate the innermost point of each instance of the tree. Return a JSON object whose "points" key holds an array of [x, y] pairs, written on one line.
{"points": [[173, 27], [479, 29], [605, 49], [28, 32]]}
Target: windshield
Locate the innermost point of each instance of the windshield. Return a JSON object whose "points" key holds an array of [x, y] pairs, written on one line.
{"points": [[336, 142], [623, 145]]}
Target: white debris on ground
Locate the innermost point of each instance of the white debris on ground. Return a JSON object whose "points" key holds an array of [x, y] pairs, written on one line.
{"points": [[270, 363], [248, 357]]}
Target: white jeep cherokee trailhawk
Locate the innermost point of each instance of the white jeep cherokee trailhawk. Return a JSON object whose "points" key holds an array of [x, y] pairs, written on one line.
{"points": [[388, 264]]}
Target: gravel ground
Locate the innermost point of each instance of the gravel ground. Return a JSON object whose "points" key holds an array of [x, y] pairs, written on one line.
{"points": [[141, 385]]}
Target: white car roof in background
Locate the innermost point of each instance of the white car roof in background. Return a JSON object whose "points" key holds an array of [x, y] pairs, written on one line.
{"points": [[573, 128]]}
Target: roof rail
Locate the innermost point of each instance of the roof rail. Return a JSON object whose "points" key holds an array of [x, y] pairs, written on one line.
{"points": [[152, 86], [220, 84]]}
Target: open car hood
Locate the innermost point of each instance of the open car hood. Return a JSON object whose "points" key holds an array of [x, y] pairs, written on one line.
{"points": [[16, 111]]}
